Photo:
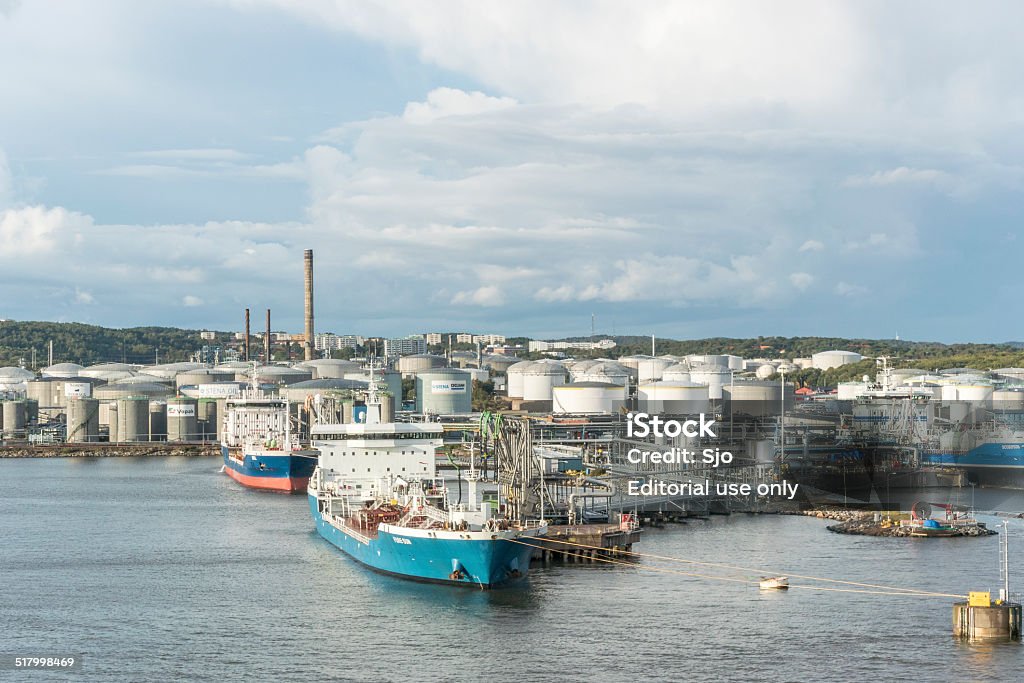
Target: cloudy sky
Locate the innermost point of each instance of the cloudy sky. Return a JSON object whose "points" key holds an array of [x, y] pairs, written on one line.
{"points": [[685, 169]]}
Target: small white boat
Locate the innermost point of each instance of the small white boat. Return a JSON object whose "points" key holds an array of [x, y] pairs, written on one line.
{"points": [[774, 583]]}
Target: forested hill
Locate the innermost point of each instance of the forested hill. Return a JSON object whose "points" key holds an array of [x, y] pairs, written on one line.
{"points": [[90, 344]]}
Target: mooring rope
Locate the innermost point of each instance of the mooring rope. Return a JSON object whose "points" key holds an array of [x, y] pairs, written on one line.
{"points": [[887, 590]]}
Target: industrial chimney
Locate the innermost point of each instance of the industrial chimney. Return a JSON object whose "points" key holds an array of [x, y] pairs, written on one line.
{"points": [[266, 341], [247, 335], [309, 344]]}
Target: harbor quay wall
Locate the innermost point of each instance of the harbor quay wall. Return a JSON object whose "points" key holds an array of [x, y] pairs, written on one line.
{"points": [[108, 450]]}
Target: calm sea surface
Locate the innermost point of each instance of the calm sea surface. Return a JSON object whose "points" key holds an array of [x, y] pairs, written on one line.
{"points": [[163, 569]]}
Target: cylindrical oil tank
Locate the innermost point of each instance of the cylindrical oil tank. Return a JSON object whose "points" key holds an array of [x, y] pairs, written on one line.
{"points": [[826, 360], [207, 409], [463, 359], [672, 398], [978, 394], [170, 370], [62, 370], [347, 411], [410, 365], [157, 421], [541, 378], [15, 415], [444, 391], [329, 368], [182, 419], [712, 376], [112, 392], [651, 369], [498, 363], [202, 376], [387, 411], [734, 362], [514, 373], [111, 410], [1008, 400], [281, 375], [588, 397], [751, 397], [133, 419], [103, 369], [765, 371], [83, 420], [32, 410], [679, 372], [46, 390], [299, 392], [710, 359], [761, 451], [632, 362], [847, 391]]}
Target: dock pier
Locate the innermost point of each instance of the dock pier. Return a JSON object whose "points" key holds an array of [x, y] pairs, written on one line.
{"points": [[585, 543]]}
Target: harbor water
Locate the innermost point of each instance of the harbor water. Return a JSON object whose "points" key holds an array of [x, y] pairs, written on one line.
{"points": [[157, 569]]}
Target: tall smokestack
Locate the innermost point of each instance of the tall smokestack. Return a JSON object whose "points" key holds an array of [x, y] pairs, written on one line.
{"points": [[266, 341], [308, 345], [247, 335]]}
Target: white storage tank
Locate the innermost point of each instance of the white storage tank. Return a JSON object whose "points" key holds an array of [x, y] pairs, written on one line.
{"points": [[734, 362], [712, 376], [329, 368], [606, 372], [756, 398], [499, 363], [107, 371], [1008, 400], [680, 372], [132, 419], [83, 420], [673, 398], [182, 419], [281, 375], [588, 397], [199, 376], [540, 378], [764, 371], [170, 370], [826, 360], [410, 365], [61, 370], [851, 390], [515, 378], [651, 369], [713, 359], [444, 391]]}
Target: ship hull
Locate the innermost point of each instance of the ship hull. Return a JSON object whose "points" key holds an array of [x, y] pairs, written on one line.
{"points": [[489, 562], [990, 464], [271, 471]]}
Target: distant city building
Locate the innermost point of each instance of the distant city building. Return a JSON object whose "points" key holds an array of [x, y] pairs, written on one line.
{"points": [[434, 338], [328, 341], [488, 339], [463, 338], [405, 346], [206, 335], [602, 344]]}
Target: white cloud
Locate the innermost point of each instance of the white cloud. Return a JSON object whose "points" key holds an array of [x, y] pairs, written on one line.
{"points": [[850, 290], [35, 230], [198, 154], [812, 245], [443, 102], [84, 297], [190, 300], [801, 280], [901, 176], [489, 295]]}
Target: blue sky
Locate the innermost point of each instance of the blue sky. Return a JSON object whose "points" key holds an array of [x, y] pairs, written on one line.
{"points": [[684, 169]]}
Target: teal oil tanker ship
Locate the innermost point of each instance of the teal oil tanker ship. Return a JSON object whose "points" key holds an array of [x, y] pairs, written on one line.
{"points": [[375, 496]]}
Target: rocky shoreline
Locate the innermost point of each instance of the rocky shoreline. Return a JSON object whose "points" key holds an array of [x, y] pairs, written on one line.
{"points": [[862, 523], [109, 450]]}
